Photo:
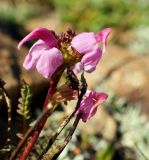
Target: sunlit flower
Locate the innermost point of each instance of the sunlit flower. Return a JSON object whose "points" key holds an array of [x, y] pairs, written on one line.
{"points": [[82, 51], [44, 54], [89, 105], [87, 43]]}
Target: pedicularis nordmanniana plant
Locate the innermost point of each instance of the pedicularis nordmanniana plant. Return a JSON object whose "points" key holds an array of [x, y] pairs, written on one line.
{"points": [[53, 55]]}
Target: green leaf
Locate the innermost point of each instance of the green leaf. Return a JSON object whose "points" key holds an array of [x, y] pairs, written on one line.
{"points": [[24, 108]]}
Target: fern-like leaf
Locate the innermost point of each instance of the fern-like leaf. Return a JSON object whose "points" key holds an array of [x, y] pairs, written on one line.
{"points": [[24, 105]]}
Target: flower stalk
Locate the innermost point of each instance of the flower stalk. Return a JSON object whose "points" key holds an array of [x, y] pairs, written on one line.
{"points": [[35, 127], [60, 148], [67, 120], [51, 55], [54, 81]]}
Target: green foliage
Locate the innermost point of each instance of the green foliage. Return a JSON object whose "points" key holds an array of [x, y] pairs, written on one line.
{"points": [[96, 14], [17, 13], [24, 104], [106, 153]]}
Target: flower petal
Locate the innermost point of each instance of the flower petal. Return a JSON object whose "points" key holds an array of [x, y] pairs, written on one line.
{"points": [[49, 62], [91, 59], [84, 42], [102, 36], [101, 96], [78, 67], [43, 34], [89, 105], [34, 54]]}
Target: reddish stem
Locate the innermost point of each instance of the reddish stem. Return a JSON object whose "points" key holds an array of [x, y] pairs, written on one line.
{"points": [[44, 114], [49, 94], [53, 84], [33, 140], [54, 81]]}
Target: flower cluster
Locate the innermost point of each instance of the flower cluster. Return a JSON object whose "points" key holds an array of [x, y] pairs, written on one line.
{"points": [[78, 52]]}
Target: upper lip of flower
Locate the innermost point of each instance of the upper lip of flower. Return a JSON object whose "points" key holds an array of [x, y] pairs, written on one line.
{"points": [[41, 33]]}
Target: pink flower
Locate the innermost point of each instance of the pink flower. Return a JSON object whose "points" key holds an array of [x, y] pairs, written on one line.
{"points": [[87, 43], [89, 105], [50, 52], [44, 54]]}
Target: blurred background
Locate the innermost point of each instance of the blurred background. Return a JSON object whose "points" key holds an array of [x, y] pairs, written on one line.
{"points": [[120, 128]]}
